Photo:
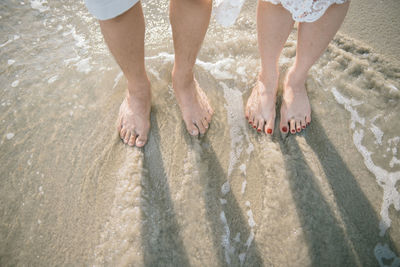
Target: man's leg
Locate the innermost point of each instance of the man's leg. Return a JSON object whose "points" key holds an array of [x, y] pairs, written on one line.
{"points": [[124, 36], [189, 20]]}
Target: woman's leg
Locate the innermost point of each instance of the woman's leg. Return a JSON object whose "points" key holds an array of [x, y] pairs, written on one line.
{"points": [[313, 39], [189, 21], [274, 24], [124, 36]]}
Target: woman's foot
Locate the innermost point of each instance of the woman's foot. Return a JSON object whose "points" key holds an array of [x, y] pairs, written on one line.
{"points": [[134, 115], [193, 103], [295, 109], [260, 108]]}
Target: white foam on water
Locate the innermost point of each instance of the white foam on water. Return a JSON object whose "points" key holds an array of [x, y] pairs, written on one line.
{"points": [[10, 62], [121, 237], [225, 188], [383, 252], [5, 43], [226, 244], [223, 201], [15, 83], [394, 161], [84, 65], [10, 136], [38, 5], [242, 168], [251, 221], [80, 40], [237, 238], [387, 180], [378, 133], [219, 69], [242, 257], [52, 79], [117, 79], [244, 183]]}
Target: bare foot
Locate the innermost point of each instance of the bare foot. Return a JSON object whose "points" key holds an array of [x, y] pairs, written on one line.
{"points": [[295, 109], [260, 108], [134, 116], [193, 102]]}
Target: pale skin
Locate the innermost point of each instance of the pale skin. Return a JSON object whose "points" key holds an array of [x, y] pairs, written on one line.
{"points": [[274, 24], [124, 36]]}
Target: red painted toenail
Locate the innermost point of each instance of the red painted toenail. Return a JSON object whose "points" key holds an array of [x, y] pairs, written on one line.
{"points": [[293, 131], [304, 127], [270, 131], [258, 130], [308, 123], [298, 130], [284, 128], [254, 126]]}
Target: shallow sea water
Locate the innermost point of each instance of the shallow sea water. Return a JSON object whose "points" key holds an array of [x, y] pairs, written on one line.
{"points": [[72, 194]]}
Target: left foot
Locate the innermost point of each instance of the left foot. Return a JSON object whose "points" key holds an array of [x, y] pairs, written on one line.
{"points": [[295, 109]]}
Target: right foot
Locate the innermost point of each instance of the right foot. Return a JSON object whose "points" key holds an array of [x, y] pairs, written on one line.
{"points": [[260, 108], [193, 103], [134, 115]]}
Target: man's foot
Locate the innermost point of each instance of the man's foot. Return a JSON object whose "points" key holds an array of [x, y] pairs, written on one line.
{"points": [[193, 102], [134, 116], [260, 108], [295, 109]]}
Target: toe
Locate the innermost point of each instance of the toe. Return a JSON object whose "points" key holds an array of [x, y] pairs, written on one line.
{"points": [[199, 125], [141, 140], [205, 123], [308, 119], [122, 133], [192, 129], [283, 125], [260, 127], [292, 126], [303, 124], [132, 140], [269, 127], [255, 123], [298, 126], [127, 136]]}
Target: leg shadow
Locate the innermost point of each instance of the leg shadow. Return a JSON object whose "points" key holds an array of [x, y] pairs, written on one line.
{"points": [[212, 177], [325, 238], [360, 218], [162, 244]]}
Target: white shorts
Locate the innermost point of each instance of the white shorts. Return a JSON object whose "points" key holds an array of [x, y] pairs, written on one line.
{"points": [[108, 9]]}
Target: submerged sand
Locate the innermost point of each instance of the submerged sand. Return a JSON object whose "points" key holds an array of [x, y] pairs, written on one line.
{"points": [[72, 194]]}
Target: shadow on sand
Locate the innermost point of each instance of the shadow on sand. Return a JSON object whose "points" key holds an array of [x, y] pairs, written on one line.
{"points": [[161, 240], [329, 243], [212, 178]]}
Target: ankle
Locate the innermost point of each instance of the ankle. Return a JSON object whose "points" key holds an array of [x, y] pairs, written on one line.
{"points": [[182, 76], [295, 78], [139, 88]]}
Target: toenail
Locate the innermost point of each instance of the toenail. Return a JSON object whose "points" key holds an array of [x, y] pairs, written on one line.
{"points": [[298, 129], [270, 131], [140, 143], [293, 131], [304, 127], [308, 123], [254, 126], [284, 129], [259, 130]]}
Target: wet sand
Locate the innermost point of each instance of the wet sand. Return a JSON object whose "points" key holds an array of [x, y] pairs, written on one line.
{"points": [[72, 194]]}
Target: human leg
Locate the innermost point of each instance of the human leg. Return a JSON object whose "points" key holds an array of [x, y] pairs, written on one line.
{"points": [[274, 24], [189, 21], [313, 39], [124, 36]]}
